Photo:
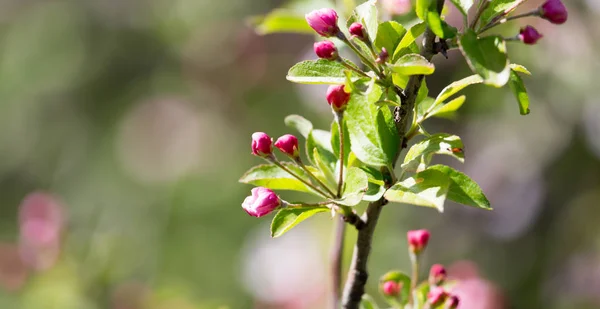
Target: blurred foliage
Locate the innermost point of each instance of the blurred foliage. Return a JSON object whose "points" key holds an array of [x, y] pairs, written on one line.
{"points": [[137, 115]]}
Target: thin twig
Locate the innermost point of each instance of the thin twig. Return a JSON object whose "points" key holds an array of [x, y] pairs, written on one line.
{"points": [[414, 278], [337, 253], [339, 117], [482, 8], [299, 162], [503, 20], [310, 185]]}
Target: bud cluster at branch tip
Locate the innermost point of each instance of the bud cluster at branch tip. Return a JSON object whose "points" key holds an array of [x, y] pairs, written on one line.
{"points": [[417, 240], [326, 50], [437, 296], [262, 202], [391, 288], [337, 97], [288, 144], [529, 35], [324, 22], [261, 144], [554, 11]]}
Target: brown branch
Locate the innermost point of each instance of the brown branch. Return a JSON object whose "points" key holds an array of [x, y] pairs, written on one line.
{"points": [[358, 275]]}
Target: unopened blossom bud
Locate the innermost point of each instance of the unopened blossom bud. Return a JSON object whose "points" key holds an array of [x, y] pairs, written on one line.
{"points": [[358, 30], [417, 240], [261, 144], [323, 21], [337, 97], [554, 11], [383, 56], [391, 288], [326, 50], [437, 274], [529, 35], [437, 296], [453, 302], [288, 144], [261, 202]]}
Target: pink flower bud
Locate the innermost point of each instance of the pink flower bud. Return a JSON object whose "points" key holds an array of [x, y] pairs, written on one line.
{"points": [[326, 50], [417, 240], [383, 56], [554, 11], [261, 202], [261, 144], [453, 302], [437, 296], [288, 144], [437, 274], [337, 97], [529, 35], [357, 30], [323, 21], [391, 288]]}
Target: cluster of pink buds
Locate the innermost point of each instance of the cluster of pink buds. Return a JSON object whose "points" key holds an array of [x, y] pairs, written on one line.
{"points": [[552, 10]]}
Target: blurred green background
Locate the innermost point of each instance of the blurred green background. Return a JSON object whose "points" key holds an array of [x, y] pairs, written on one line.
{"points": [[125, 124]]}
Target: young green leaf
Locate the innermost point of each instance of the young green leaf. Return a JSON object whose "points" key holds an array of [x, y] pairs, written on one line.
{"points": [[335, 140], [319, 71], [422, 7], [301, 124], [448, 110], [498, 9], [457, 86], [367, 302], [373, 135], [518, 88], [327, 170], [273, 177], [389, 35], [281, 21], [419, 155], [487, 57], [356, 184], [519, 68], [427, 188], [366, 13], [423, 91], [463, 189], [413, 64], [287, 218], [438, 25], [463, 5], [404, 47]]}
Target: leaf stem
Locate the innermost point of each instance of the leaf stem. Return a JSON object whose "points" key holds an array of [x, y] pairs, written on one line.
{"points": [[339, 118], [414, 259], [324, 186], [482, 8], [345, 63], [364, 59], [504, 20], [307, 183]]}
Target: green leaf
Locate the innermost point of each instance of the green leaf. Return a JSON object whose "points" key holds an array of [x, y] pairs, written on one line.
{"points": [[319, 71], [419, 155], [335, 140], [457, 86], [420, 294], [487, 57], [299, 123], [367, 302], [366, 13], [287, 218], [404, 47], [413, 64], [463, 5], [438, 25], [373, 136], [497, 9], [519, 68], [281, 21], [400, 80], [463, 189], [448, 110], [427, 188], [389, 35], [325, 168], [423, 91], [272, 177], [422, 8], [322, 140], [518, 88], [356, 184], [398, 277]]}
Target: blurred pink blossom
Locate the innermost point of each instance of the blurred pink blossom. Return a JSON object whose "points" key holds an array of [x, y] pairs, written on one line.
{"points": [[474, 291]]}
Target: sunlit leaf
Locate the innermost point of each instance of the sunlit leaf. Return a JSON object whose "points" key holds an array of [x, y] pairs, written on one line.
{"points": [[287, 218], [487, 57], [273, 177], [419, 155], [427, 188], [319, 71], [389, 35], [518, 88], [413, 64]]}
